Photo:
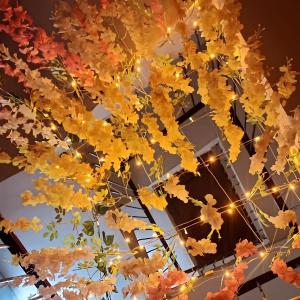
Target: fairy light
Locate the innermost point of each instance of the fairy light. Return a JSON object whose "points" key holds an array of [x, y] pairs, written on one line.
{"points": [[262, 254], [181, 242], [182, 288], [154, 235], [68, 140], [257, 138], [191, 119], [138, 69], [230, 211], [195, 23], [138, 163], [73, 84], [169, 29], [202, 218], [117, 84], [292, 186], [77, 154], [185, 231], [130, 198], [247, 194], [232, 205], [177, 75], [57, 166], [152, 141], [119, 256], [138, 61], [102, 159], [227, 273], [193, 278], [168, 175], [212, 159], [53, 126], [141, 247], [212, 56], [274, 189]]}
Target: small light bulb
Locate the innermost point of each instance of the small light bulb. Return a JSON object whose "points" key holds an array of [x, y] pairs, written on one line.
{"points": [[177, 75], [102, 159], [202, 218], [212, 55], [168, 175], [141, 247], [105, 123], [57, 166], [138, 69], [212, 159], [73, 84], [193, 278], [152, 141], [274, 189], [195, 23], [77, 154], [182, 288], [53, 126], [181, 242], [262, 253], [191, 119], [117, 84], [257, 138], [130, 198], [154, 234], [119, 256], [88, 180], [138, 163], [185, 231], [138, 61], [227, 273], [169, 29], [247, 194], [292, 186], [232, 205], [230, 211]]}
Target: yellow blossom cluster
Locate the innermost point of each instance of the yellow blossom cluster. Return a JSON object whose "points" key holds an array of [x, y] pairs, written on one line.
{"points": [[151, 199], [22, 224], [200, 247]]}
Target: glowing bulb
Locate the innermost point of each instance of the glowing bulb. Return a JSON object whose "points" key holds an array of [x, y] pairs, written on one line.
{"points": [[274, 189], [134, 298], [77, 154], [152, 141], [292, 186], [57, 166], [227, 273], [212, 55], [193, 278], [138, 163], [169, 29], [262, 254], [130, 198], [119, 257], [185, 231], [53, 126], [232, 205], [177, 75], [117, 84], [73, 84], [233, 97], [257, 138], [195, 23], [141, 247], [202, 218], [105, 123], [230, 211], [154, 234], [181, 242], [212, 159], [182, 288], [69, 140], [88, 180], [102, 159], [138, 69], [247, 194], [168, 175], [82, 122], [191, 119], [138, 61]]}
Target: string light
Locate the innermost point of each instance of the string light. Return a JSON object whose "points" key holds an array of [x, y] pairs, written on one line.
{"points": [[257, 138], [247, 194], [53, 126], [212, 159], [274, 189], [154, 234], [202, 218], [130, 198], [182, 288], [212, 55], [77, 154], [168, 175], [230, 211], [169, 29], [105, 123], [152, 141], [117, 84], [181, 242], [138, 69], [138, 163], [232, 205], [119, 256], [177, 75], [68, 140], [227, 273], [185, 231], [57, 166], [73, 84], [138, 61], [141, 247], [262, 254], [102, 159], [191, 119], [195, 24], [193, 278], [292, 186]]}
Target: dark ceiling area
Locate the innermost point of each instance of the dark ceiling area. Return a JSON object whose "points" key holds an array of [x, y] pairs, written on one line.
{"points": [[234, 227], [281, 37]]}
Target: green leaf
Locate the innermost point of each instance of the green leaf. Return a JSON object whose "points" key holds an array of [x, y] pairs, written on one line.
{"points": [[88, 228], [109, 240], [46, 234], [52, 237], [101, 209]]}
